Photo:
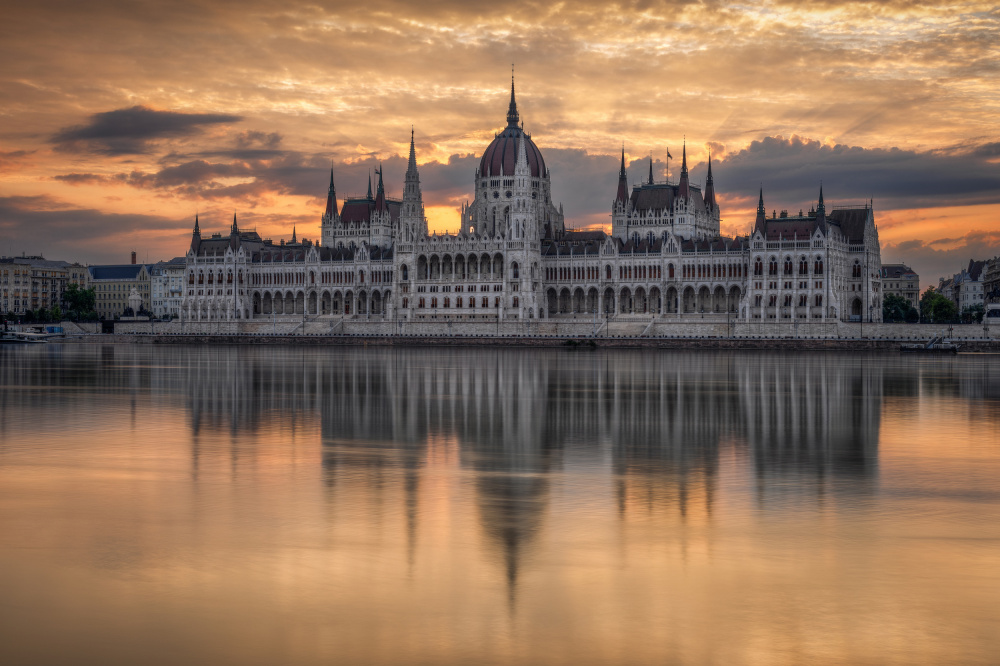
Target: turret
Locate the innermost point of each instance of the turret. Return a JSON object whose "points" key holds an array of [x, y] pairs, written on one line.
{"points": [[196, 236], [331, 198], [380, 204], [622, 195], [414, 222], [820, 207], [684, 189], [650, 169], [234, 235], [710, 203], [761, 213]]}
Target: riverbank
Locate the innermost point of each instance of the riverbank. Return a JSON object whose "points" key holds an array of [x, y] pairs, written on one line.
{"points": [[582, 343]]}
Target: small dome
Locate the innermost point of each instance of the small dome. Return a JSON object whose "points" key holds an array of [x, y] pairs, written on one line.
{"points": [[500, 157]]}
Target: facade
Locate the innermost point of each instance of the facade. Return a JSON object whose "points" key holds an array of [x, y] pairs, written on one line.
{"points": [[991, 281], [166, 280], [514, 259], [112, 285], [966, 288], [36, 283], [900, 280]]}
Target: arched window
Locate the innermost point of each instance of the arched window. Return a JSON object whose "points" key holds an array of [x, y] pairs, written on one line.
{"points": [[607, 270], [515, 271], [758, 267], [406, 273], [772, 267], [670, 270], [818, 266], [803, 266], [788, 265]]}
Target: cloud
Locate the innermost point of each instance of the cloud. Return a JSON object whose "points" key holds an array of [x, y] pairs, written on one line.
{"points": [[933, 259], [791, 170], [130, 131]]}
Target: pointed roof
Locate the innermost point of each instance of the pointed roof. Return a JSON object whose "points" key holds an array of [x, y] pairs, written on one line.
{"points": [[369, 185], [235, 229], [684, 187], [411, 167], [710, 186], [651, 169], [380, 204], [622, 181], [293, 234], [761, 212], [512, 115], [331, 198], [197, 229]]}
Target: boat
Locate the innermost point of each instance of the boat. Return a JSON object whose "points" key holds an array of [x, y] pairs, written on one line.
{"points": [[934, 346]]}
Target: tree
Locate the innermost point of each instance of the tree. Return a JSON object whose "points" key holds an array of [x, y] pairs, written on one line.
{"points": [[896, 308], [81, 302], [973, 314], [56, 313], [937, 308]]}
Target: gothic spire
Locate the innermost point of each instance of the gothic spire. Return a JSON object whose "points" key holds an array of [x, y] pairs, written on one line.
{"points": [[710, 186], [331, 198], [411, 167], [235, 230], [820, 206], [650, 168], [380, 192], [197, 229], [761, 213], [195, 236], [512, 116], [369, 185], [684, 186], [293, 234], [622, 195]]}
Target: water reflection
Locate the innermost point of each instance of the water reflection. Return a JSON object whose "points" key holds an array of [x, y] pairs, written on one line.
{"points": [[504, 453]]}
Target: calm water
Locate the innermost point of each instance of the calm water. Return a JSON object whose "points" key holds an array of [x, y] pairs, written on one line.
{"points": [[249, 505]]}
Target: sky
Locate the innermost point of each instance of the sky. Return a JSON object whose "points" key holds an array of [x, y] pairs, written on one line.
{"points": [[120, 121]]}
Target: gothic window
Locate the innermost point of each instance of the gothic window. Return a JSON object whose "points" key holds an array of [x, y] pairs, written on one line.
{"points": [[788, 265], [818, 267], [772, 268], [670, 271]]}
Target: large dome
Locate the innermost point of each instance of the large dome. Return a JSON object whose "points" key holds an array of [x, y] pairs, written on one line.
{"points": [[500, 157]]}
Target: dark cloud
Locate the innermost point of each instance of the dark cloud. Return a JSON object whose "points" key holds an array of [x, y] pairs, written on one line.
{"points": [[790, 171], [43, 225], [256, 139], [130, 131]]}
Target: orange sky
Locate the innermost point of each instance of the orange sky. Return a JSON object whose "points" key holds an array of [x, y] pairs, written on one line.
{"points": [[120, 120]]}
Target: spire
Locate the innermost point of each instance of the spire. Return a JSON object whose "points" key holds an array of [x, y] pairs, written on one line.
{"points": [[234, 235], [380, 192], [820, 206], [761, 213], [293, 234], [622, 195], [412, 165], [521, 165], [512, 117], [710, 187], [650, 168], [369, 185], [195, 235], [331, 198], [684, 186]]}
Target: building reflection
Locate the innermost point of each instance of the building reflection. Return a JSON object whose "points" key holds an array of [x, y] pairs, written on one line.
{"points": [[666, 421]]}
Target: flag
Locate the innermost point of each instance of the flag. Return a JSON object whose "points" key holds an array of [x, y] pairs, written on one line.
{"points": [[669, 156]]}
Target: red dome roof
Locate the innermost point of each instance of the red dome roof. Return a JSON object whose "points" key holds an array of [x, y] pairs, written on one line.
{"points": [[501, 155]]}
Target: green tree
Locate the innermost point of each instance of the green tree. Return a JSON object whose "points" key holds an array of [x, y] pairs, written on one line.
{"points": [[896, 308], [79, 301], [56, 313], [937, 308], [974, 314]]}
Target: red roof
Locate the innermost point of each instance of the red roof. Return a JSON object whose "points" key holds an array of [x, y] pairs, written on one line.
{"points": [[500, 157]]}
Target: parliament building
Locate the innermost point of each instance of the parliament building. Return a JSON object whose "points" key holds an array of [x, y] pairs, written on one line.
{"points": [[513, 257]]}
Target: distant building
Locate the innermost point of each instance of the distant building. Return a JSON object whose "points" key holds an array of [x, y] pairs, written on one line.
{"points": [[112, 284], [967, 286], [166, 287], [991, 281], [36, 283], [901, 280]]}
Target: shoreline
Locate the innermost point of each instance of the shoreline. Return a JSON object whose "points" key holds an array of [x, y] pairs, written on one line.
{"points": [[883, 345]]}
